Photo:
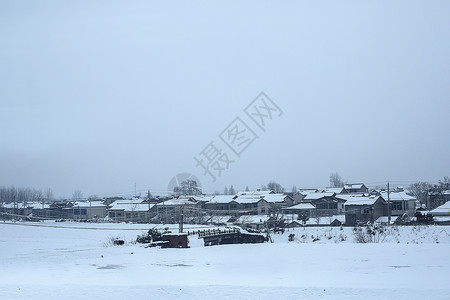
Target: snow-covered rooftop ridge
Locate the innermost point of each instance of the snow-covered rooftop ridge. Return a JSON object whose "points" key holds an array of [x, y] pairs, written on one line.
{"points": [[254, 193], [353, 185], [315, 196], [336, 190], [301, 206], [396, 196], [443, 209], [305, 191], [249, 199], [130, 205], [88, 204], [370, 200], [350, 196], [272, 198], [179, 201], [221, 199]]}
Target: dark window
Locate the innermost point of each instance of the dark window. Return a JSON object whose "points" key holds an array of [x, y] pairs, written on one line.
{"points": [[396, 205]]}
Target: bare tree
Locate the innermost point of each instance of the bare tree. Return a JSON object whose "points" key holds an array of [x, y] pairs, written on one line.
{"points": [[48, 194], [336, 180], [294, 189], [275, 187], [93, 198], [231, 191], [225, 191], [246, 189], [77, 195], [445, 183], [419, 190]]}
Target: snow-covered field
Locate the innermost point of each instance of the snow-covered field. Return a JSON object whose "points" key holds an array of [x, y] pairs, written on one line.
{"points": [[75, 262]]}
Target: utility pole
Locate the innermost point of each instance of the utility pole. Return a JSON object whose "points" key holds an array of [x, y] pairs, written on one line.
{"points": [[180, 229], [389, 205], [148, 199], [135, 189]]}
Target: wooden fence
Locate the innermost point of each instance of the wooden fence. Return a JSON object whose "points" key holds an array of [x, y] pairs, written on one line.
{"points": [[211, 232]]}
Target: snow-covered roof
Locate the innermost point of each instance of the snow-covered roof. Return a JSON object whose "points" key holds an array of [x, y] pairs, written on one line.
{"points": [[273, 198], [130, 205], [221, 199], [444, 209], [347, 197], [307, 191], [203, 198], [336, 190], [447, 192], [37, 205], [315, 196], [179, 201], [301, 206], [397, 196], [353, 185], [259, 193], [248, 199], [197, 197], [88, 204], [362, 200]]}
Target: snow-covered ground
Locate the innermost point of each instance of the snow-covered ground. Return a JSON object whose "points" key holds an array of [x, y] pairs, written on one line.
{"points": [[75, 262]]}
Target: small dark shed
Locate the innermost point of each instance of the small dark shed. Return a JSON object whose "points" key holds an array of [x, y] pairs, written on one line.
{"points": [[176, 240], [234, 238]]}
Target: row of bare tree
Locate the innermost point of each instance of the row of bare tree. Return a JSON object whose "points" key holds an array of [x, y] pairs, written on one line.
{"points": [[12, 194], [421, 189]]}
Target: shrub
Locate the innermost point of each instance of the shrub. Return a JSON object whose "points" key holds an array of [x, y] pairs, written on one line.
{"points": [[111, 241], [153, 235], [370, 234]]}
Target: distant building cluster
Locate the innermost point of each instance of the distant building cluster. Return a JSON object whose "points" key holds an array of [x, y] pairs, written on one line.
{"points": [[349, 205]]}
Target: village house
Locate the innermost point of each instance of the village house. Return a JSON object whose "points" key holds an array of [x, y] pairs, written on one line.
{"points": [[253, 204], [400, 203], [79, 210], [326, 204], [58, 210], [278, 202], [257, 222], [302, 210], [170, 211], [34, 209], [364, 209], [301, 193], [131, 210], [222, 204], [39, 210], [355, 188]]}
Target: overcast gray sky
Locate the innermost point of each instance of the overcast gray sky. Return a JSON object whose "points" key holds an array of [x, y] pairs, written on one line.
{"points": [[99, 96]]}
